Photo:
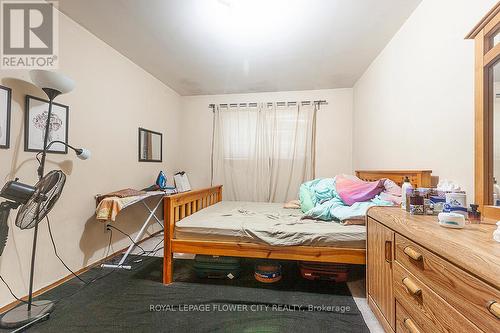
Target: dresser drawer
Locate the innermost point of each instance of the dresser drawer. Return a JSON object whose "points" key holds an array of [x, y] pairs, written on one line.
{"points": [[404, 323], [467, 294], [428, 310]]}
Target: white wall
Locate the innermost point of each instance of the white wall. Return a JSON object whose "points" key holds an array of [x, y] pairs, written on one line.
{"points": [[113, 97], [334, 130], [413, 107]]}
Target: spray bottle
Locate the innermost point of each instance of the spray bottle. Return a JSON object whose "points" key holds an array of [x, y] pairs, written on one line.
{"points": [[404, 189]]}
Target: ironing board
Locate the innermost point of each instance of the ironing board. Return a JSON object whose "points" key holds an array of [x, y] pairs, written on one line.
{"points": [[121, 203]]}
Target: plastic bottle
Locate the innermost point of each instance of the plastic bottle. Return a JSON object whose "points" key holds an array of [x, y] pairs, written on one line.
{"points": [[404, 188], [496, 192]]}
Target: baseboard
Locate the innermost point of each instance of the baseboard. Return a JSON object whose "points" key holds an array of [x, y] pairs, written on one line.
{"points": [[70, 276]]}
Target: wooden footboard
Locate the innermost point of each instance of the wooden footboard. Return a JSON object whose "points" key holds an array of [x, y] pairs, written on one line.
{"points": [[177, 207]]}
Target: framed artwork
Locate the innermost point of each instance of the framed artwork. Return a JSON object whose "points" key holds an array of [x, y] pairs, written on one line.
{"points": [[5, 104], [150, 146], [35, 119]]}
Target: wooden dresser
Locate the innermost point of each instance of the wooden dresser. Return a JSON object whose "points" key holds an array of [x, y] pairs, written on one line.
{"points": [[422, 277]]}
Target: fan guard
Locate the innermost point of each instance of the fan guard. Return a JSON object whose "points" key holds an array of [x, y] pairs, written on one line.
{"points": [[48, 191]]}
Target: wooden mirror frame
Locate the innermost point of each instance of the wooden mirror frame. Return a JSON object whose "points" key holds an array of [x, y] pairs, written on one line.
{"points": [[486, 55]]}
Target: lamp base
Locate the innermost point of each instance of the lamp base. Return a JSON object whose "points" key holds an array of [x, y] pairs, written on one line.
{"points": [[20, 315]]}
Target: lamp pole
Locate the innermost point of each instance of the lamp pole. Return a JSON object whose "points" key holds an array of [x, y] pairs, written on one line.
{"points": [[51, 94]]}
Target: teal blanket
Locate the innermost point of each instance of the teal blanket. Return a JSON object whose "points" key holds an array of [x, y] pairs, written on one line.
{"points": [[320, 200]]}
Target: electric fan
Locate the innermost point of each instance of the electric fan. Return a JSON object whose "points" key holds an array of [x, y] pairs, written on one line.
{"points": [[34, 203]]}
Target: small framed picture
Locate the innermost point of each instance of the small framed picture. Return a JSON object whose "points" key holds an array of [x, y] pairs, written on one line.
{"points": [[35, 120], [5, 104], [150, 146]]}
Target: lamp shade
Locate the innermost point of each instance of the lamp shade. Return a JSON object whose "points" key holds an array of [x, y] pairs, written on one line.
{"points": [[52, 80]]}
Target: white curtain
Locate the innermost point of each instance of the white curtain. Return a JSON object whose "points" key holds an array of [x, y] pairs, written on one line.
{"points": [[263, 153]]}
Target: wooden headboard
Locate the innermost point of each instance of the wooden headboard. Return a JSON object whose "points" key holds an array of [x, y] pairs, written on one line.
{"points": [[418, 178]]}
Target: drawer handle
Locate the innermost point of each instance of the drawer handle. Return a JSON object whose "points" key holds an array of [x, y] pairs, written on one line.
{"points": [[413, 254], [412, 287], [410, 325], [494, 308], [388, 251]]}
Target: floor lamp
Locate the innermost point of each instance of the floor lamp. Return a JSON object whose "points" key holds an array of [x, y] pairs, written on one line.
{"points": [[53, 84]]}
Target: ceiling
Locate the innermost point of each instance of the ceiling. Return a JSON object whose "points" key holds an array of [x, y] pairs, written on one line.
{"points": [[200, 47]]}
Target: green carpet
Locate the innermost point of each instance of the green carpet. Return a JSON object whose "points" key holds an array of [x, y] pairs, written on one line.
{"points": [[137, 301]]}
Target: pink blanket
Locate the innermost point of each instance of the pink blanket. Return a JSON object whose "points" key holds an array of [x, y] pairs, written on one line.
{"points": [[352, 189]]}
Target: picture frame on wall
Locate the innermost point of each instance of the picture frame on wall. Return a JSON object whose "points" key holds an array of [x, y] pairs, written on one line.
{"points": [[5, 114], [35, 119], [150, 146]]}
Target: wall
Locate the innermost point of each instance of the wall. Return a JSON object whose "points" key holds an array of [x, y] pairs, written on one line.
{"points": [[113, 97], [414, 106], [334, 130]]}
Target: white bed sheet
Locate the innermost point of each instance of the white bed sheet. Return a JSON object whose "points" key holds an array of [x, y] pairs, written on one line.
{"points": [[266, 223]]}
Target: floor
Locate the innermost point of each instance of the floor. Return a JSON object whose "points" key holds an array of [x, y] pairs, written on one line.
{"points": [[357, 286]]}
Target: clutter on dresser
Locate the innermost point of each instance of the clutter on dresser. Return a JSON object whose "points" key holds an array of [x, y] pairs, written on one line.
{"points": [[422, 201], [456, 202], [496, 233], [446, 185], [437, 203], [451, 220], [182, 182], [447, 197], [474, 214], [496, 193], [405, 188], [416, 203]]}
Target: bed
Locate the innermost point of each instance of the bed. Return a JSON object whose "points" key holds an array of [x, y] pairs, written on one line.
{"points": [[199, 222]]}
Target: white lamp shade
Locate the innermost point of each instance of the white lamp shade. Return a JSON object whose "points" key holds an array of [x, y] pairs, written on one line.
{"points": [[52, 80]]}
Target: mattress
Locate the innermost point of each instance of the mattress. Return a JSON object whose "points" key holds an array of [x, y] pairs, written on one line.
{"points": [[266, 223]]}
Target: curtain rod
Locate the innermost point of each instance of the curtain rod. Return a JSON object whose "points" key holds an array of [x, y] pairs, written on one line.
{"points": [[319, 102]]}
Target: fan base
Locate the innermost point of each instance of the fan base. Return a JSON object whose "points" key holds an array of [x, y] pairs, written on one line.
{"points": [[20, 315]]}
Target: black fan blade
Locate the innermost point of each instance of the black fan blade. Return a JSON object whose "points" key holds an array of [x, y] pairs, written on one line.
{"points": [[48, 191], [5, 208]]}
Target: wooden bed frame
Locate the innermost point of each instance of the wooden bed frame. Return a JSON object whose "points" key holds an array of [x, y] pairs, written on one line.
{"points": [[184, 204], [418, 178]]}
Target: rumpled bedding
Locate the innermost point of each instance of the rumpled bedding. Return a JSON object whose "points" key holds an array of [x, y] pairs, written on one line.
{"points": [[353, 189], [345, 197]]}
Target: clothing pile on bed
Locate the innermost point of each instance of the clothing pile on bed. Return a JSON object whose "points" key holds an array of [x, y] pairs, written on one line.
{"points": [[346, 199]]}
